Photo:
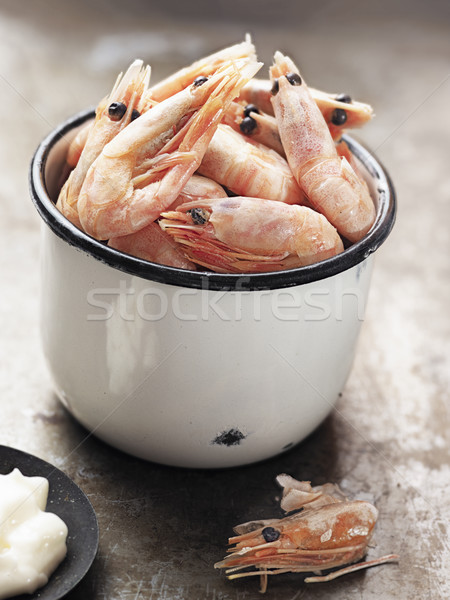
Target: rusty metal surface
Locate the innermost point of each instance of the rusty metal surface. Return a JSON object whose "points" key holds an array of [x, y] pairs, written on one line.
{"points": [[162, 529]]}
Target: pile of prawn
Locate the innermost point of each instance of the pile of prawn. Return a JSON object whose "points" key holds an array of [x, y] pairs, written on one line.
{"points": [[214, 169], [329, 531]]}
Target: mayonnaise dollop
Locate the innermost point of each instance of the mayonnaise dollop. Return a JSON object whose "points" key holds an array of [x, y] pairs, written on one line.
{"points": [[32, 541]]}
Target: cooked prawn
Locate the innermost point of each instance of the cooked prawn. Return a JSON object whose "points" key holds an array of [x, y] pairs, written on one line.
{"points": [[171, 85], [112, 114], [77, 145], [143, 169], [340, 111], [248, 168], [329, 182], [199, 188], [153, 244], [202, 68], [249, 121], [329, 532], [246, 235]]}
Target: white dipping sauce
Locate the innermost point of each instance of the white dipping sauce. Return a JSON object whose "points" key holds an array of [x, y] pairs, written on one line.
{"points": [[32, 542]]}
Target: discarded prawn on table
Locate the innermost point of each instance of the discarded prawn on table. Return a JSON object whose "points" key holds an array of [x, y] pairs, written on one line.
{"points": [[156, 157], [329, 531]]}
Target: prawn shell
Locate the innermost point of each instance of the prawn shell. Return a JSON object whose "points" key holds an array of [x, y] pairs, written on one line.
{"points": [[252, 235], [328, 181]]}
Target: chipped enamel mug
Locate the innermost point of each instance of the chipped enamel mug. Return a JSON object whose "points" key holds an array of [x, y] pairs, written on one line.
{"points": [[196, 369]]}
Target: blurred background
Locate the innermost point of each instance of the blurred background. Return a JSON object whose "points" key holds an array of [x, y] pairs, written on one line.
{"points": [[59, 57]]}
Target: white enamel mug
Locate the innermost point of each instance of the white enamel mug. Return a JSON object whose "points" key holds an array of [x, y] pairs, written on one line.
{"points": [[196, 369]]}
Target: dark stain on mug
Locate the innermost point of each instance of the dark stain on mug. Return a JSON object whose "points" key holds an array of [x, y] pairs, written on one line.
{"points": [[230, 437], [288, 446]]}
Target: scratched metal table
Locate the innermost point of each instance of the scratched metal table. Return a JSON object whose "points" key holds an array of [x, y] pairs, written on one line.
{"points": [[161, 529]]}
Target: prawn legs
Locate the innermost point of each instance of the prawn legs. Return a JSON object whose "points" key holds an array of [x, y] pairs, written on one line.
{"points": [[329, 532]]}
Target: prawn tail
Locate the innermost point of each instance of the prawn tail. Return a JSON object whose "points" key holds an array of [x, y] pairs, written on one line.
{"points": [[335, 190]]}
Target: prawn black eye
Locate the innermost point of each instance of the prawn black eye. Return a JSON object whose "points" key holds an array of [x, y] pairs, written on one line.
{"points": [[116, 110], [270, 534], [200, 80], [344, 98], [249, 109], [199, 216], [339, 116], [247, 125], [135, 114], [294, 78], [275, 87]]}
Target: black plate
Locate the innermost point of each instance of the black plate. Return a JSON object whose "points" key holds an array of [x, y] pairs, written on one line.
{"points": [[66, 500]]}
